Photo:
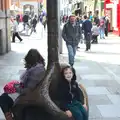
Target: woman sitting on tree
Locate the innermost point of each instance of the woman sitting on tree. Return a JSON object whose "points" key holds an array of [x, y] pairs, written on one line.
{"points": [[34, 73]]}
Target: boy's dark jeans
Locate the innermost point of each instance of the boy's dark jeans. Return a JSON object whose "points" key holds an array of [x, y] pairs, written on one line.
{"points": [[78, 111]]}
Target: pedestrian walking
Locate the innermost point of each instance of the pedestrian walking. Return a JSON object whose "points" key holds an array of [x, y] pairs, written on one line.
{"points": [[106, 26], [34, 23], [95, 33], [79, 23], [71, 34], [87, 25], [16, 31], [25, 20], [97, 21], [44, 21], [102, 28]]}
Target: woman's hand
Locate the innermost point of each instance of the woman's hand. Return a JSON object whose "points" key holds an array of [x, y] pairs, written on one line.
{"points": [[85, 106], [17, 87], [68, 113]]}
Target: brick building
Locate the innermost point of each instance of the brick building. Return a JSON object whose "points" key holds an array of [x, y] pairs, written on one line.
{"points": [[4, 27]]}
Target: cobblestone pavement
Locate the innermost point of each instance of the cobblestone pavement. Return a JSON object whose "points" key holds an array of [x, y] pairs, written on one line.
{"points": [[97, 70]]}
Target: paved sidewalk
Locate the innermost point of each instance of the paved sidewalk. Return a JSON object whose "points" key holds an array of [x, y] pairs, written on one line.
{"points": [[98, 71]]}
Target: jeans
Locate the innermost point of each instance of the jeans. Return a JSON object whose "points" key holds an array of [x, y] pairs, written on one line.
{"points": [[88, 41], [6, 103], [71, 53], [102, 32], [78, 111], [16, 34]]}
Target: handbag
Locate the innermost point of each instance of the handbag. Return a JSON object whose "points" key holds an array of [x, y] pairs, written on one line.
{"points": [[9, 87]]}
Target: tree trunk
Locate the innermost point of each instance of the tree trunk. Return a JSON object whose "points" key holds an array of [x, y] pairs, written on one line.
{"points": [[40, 103], [95, 4]]}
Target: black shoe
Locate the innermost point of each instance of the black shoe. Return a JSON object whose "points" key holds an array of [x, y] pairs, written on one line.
{"points": [[13, 41], [21, 40]]}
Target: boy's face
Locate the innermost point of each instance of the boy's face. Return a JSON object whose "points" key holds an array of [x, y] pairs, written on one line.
{"points": [[68, 74]]}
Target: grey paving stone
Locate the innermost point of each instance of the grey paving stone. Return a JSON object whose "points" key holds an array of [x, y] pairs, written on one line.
{"points": [[96, 77], [114, 90], [107, 83], [94, 112], [99, 100], [117, 78], [87, 83], [97, 91], [1, 115], [82, 69], [15, 77], [115, 99], [109, 110], [4, 77], [115, 118]]}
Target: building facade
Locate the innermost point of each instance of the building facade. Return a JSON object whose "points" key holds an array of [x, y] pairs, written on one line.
{"points": [[5, 42], [65, 7], [78, 7], [112, 10]]}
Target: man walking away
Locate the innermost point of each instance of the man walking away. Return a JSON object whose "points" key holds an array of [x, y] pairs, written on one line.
{"points": [[71, 34], [25, 20], [15, 31], [87, 25], [34, 23]]}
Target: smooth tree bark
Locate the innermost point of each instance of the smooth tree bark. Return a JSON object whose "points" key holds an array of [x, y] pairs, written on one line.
{"points": [[95, 4], [41, 103]]}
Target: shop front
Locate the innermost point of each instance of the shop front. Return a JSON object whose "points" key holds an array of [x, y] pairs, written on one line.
{"points": [[112, 11]]}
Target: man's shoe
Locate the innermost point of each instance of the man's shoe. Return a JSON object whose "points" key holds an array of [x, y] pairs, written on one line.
{"points": [[21, 40]]}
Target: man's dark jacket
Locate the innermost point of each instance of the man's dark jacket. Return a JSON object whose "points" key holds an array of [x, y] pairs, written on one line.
{"points": [[25, 18], [87, 26], [71, 34]]}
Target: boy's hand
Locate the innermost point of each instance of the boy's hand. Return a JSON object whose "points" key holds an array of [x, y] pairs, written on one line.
{"points": [[68, 113], [85, 106]]}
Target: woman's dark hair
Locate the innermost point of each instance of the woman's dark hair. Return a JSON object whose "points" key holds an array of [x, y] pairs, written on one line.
{"points": [[32, 58], [73, 70], [85, 17]]}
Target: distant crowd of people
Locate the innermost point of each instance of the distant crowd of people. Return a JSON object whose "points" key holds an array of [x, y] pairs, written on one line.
{"points": [[28, 23], [81, 28]]}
